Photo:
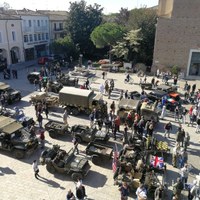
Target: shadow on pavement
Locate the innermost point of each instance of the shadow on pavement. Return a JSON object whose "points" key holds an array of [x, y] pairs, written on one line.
{"points": [[95, 179], [6, 170], [51, 183]]}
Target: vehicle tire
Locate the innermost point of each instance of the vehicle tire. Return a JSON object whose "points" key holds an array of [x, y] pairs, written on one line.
{"points": [[69, 110], [52, 133], [96, 160], [79, 139], [75, 176], [19, 154], [75, 111], [50, 168]]}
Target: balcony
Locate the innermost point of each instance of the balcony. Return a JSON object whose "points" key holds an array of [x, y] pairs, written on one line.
{"points": [[58, 29], [41, 29]]}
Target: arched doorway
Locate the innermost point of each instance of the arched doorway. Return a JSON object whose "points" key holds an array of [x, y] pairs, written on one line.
{"points": [[3, 59], [15, 55]]}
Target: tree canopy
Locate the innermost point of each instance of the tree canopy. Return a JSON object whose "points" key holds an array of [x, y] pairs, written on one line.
{"points": [[64, 46], [107, 34], [81, 21]]}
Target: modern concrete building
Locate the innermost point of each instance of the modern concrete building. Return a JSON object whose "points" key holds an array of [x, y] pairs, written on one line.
{"points": [[11, 43], [177, 39], [57, 20]]}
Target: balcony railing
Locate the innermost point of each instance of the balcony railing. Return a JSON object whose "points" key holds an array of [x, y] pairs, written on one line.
{"points": [[58, 29]]}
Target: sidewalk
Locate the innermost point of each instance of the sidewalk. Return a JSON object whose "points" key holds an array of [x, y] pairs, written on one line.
{"points": [[24, 65]]}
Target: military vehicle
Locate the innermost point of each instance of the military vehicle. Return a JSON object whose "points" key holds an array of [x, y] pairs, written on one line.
{"points": [[79, 100], [50, 98], [127, 105], [54, 86], [99, 152], [56, 128], [15, 138], [81, 72], [66, 80], [149, 111], [33, 76], [11, 95], [85, 134], [58, 160]]}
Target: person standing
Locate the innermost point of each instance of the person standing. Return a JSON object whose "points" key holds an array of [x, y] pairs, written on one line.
{"points": [[40, 119], [184, 174], [163, 113], [168, 128], [36, 169], [177, 188], [65, 116], [80, 192], [141, 192], [175, 154], [158, 194], [46, 110], [193, 88], [112, 107], [124, 190], [42, 138], [70, 195]]}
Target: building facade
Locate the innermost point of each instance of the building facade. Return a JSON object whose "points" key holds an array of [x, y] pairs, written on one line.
{"points": [[35, 29], [11, 43], [177, 40], [57, 20]]}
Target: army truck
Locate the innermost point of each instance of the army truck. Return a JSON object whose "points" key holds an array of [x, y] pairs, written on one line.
{"points": [[15, 138], [11, 95], [79, 100], [149, 111], [58, 160]]}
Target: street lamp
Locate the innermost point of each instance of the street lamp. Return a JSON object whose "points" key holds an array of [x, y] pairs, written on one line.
{"points": [[80, 60]]}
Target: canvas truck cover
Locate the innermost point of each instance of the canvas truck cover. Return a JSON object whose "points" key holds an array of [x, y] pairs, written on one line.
{"points": [[9, 125], [128, 104], [75, 96]]}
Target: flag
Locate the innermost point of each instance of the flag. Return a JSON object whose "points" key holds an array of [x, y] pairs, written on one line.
{"points": [[115, 158], [157, 162]]}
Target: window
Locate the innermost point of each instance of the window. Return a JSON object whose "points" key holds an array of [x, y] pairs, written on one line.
{"points": [[34, 22], [42, 23], [39, 36], [42, 36], [13, 36], [61, 26], [25, 38], [38, 22], [45, 22], [35, 37], [47, 36], [30, 37], [29, 23], [54, 26], [0, 38]]}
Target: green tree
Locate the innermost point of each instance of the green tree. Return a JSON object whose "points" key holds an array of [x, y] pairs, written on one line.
{"points": [[81, 21], [65, 46], [107, 35], [128, 46], [144, 19]]}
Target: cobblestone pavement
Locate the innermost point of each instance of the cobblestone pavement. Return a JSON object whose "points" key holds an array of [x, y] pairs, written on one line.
{"points": [[17, 179]]}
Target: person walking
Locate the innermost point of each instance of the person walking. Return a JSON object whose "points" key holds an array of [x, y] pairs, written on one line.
{"points": [[177, 188], [168, 128], [112, 107], [163, 113], [36, 169], [80, 192], [75, 143], [184, 172]]}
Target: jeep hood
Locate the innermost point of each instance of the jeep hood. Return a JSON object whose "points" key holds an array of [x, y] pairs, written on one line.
{"points": [[100, 134], [78, 162]]}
